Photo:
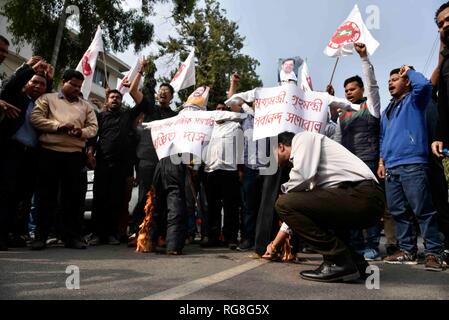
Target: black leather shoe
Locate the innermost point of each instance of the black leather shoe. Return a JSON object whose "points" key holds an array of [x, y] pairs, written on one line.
{"points": [[210, 243], [362, 265], [329, 272], [37, 245], [174, 252], [75, 244], [3, 246]]}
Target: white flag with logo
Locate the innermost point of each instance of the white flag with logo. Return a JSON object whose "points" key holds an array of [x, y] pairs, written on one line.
{"points": [[130, 75], [89, 61], [185, 77], [306, 80], [351, 31]]}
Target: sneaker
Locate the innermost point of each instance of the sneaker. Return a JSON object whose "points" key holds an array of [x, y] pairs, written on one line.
{"points": [[371, 255], [402, 257], [51, 241], [113, 240], [232, 245], [433, 263], [446, 258], [94, 241], [132, 241]]}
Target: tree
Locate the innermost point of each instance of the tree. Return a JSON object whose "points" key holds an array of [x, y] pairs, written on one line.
{"points": [[37, 22], [218, 48]]}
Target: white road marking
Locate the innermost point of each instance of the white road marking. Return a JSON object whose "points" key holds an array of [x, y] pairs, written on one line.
{"points": [[199, 284]]}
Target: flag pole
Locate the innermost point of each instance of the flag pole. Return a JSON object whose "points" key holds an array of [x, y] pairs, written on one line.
{"points": [[333, 72], [105, 71]]}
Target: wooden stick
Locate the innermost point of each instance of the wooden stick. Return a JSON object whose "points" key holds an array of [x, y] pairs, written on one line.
{"points": [[333, 72], [105, 71]]}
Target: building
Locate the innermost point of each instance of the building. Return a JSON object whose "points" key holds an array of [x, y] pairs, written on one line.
{"points": [[18, 55]]}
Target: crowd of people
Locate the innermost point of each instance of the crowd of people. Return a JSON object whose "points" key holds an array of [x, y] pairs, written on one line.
{"points": [[332, 194]]}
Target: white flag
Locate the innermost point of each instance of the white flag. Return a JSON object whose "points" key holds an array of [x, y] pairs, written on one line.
{"points": [[351, 31], [130, 75], [185, 77], [306, 80], [89, 61]]}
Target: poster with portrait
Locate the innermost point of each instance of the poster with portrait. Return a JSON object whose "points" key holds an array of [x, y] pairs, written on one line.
{"points": [[288, 69]]}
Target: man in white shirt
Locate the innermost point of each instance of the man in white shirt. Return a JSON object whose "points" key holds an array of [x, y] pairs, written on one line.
{"points": [[330, 191]]}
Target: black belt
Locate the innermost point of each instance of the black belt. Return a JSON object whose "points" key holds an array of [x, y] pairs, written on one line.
{"points": [[353, 184]]}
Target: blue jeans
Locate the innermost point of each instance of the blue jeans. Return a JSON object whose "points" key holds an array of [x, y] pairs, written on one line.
{"points": [[408, 187]]}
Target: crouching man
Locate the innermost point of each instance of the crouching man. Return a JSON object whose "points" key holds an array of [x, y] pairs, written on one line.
{"points": [[330, 192]]}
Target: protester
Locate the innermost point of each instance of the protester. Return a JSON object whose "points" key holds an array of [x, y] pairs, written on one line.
{"points": [[442, 135], [440, 80], [19, 142], [358, 131], [4, 106], [404, 165], [146, 155], [114, 161], [65, 122], [330, 192], [223, 162], [251, 181]]}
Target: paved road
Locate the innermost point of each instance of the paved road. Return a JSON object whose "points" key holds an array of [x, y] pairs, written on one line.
{"points": [[117, 272]]}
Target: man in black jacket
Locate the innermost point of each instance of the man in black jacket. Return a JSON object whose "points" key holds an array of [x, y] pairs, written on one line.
{"points": [[114, 157], [442, 134], [18, 141]]}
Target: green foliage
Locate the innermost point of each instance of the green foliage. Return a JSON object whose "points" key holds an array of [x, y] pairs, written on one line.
{"points": [[218, 48], [37, 22]]}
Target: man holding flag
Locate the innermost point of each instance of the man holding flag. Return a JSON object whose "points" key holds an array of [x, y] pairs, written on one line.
{"points": [[358, 131]]}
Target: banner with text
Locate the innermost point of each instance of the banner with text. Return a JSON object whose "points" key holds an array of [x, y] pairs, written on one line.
{"points": [[289, 108], [188, 132]]}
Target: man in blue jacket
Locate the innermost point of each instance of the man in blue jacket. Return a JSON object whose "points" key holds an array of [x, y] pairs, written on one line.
{"points": [[404, 165]]}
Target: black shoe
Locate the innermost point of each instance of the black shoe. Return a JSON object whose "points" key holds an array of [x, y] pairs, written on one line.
{"points": [[330, 272], [391, 249], [210, 243], [112, 240], [361, 267], [3, 246], [16, 241], [37, 245], [174, 252], [75, 244], [246, 245]]}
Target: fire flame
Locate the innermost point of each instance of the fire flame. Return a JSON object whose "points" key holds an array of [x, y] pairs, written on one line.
{"points": [[144, 243]]}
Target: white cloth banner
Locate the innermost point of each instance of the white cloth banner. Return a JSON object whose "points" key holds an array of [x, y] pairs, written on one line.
{"points": [[306, 80], [185, 76], [130, 75], [289, 108], [351, 31], [188, 132], [89, 61]]}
